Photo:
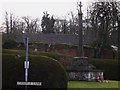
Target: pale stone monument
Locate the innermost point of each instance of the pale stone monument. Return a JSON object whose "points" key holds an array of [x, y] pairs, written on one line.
{"points": [[80, 68]]}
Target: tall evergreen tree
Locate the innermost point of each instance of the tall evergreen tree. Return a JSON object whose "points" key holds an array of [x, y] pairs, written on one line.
{"points": [[47, 23]]}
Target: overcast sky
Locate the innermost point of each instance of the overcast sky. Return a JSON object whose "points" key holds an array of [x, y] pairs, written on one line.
{"points": [[35, 8]]}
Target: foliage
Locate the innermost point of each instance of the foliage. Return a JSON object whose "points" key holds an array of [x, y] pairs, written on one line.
{"points": [[104, 23], [14, 25], [30, 25], [22, 52], [110, 67], [9, 44], [42, 69], [48, 54], [47, 23]]}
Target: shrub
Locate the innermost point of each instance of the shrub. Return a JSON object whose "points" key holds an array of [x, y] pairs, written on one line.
{"points": [[13, 51], [48, 54], [109, 66], [8, 44], [42, 69]]}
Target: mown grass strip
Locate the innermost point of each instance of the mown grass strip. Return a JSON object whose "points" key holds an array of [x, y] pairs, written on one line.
{"points": [[83, 84]]}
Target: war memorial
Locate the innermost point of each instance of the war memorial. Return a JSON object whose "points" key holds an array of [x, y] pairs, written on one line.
{"points": [[37, 76]]}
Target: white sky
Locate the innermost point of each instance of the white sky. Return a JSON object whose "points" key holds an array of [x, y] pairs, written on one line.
{"points": [[35, 8]]}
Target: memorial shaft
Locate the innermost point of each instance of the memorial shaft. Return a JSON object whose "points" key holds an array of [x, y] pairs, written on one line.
{"points": [[80, 33]]}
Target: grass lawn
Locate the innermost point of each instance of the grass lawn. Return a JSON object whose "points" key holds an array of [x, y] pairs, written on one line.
{"points": [[83, 84]]}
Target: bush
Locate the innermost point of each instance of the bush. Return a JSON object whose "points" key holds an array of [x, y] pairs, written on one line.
{"points": [[22, 52], [109, 66], [13, 51], [42, 69], [8, 44]]}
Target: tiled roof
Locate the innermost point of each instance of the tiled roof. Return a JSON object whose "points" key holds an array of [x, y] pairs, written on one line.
{"points": [[54, 38]]}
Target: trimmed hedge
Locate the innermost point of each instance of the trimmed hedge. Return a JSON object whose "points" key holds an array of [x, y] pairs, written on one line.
{"points": [[9, 44], [110, 67], [42, 69], [48, 54], [22, 52]]}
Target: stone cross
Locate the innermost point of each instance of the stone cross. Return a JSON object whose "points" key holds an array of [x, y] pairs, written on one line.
{"points": [[80, 5]]}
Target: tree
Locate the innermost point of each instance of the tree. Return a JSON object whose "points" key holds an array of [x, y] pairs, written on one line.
{"points": [[73, 23], [7, 23], [104, 21], [31, 25], [67, 25], [11, 24], [57, 26], [61, 26], [47, 23]]}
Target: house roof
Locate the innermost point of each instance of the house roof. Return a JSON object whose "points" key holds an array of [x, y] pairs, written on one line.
{"points": [[54, 39]]}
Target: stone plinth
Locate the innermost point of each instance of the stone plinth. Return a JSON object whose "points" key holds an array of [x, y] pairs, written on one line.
{"points": [[82, 70]]}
